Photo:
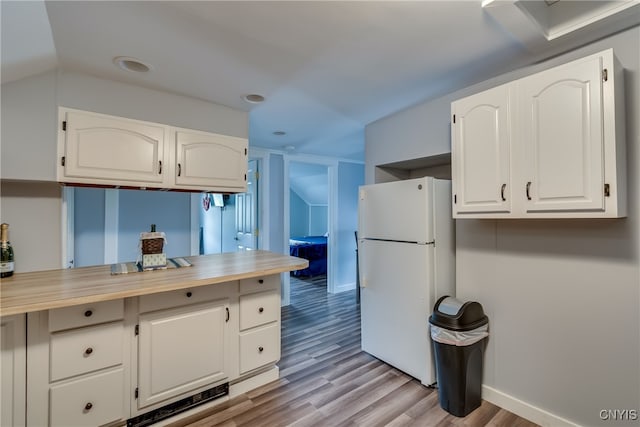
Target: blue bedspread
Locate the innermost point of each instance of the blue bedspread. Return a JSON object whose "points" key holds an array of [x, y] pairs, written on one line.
{"points": [[313, 249]]}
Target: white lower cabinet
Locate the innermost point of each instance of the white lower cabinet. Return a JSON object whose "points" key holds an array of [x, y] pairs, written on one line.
{"points": [[259, 347], [89, 401], [14, 368], [259, 324], [103, 364], [78, 365], [181, 350]]}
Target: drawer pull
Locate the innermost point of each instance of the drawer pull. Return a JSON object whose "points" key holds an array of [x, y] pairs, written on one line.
{"points": [[88, 406], [189, 294], [261, 281], [260, 349], [88, 313], [88, 351], [260, 310]]}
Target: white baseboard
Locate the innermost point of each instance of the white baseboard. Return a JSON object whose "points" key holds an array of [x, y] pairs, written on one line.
{"points": [[344, 287], [524, 409], [254, 382]]}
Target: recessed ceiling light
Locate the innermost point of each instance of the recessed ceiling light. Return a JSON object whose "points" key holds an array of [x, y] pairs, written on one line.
{"points": [[279, 133], [254, 98], [131, 64]]}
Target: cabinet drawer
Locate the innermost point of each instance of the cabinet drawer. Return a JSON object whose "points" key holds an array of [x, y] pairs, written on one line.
{"points": [[260, 283], [91, 401], [83, 350], [258, 309], [259, 347], [182, 297], [85, 315]]}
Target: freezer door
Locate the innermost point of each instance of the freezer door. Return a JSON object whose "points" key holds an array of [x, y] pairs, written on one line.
{"points": [[396, 282], [396, 210]]}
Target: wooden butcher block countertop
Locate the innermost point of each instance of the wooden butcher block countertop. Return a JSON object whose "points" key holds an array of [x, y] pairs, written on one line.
{"points": [[44, 290]]}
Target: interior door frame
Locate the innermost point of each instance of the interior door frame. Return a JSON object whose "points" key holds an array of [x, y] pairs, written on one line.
{"points": [[332, 210]]}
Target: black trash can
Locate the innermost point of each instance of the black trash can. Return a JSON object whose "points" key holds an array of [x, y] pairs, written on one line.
{"points": [[459, 332]]}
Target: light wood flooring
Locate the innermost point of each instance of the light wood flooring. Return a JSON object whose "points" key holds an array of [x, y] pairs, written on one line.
{"points": [[327, 380]]}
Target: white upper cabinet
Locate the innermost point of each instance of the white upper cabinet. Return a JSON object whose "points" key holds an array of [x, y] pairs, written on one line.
{"points": [[562, 138], [102, 150], [554, 141], [210, 161], [481, 142]]}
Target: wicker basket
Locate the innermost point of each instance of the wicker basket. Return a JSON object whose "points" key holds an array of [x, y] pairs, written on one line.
{"points": [[152, 246]]}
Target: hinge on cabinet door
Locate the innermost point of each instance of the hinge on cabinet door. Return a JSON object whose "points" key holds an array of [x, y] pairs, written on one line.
{"points": [[257, 175], [454, 118], [607, 193], [137, 330], [256, 232], [135, 393], [246, 151], [62, 161], [605, 75], [64, 125]]}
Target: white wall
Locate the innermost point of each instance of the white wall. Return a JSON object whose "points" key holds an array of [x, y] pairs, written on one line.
{"points": [[318, 220], [33, 211], [29, 128], [169, 211], [350, 178], [562, 296]]}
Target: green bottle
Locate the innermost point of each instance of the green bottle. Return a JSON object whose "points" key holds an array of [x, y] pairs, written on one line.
{"points": [[6, 252]]}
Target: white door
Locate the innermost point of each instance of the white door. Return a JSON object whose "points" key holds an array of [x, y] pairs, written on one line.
{"points": [[396, 294], [102, 147], [563, 138], [396, 210], [247, 211], [481, 140], [170, 360], [207, 160]]}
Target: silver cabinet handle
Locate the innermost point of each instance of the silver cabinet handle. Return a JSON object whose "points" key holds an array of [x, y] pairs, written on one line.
{"points": [[504, 186], [528, 190]]}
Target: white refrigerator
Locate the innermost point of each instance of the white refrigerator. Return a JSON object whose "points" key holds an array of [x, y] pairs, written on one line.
{"points": [[406, 258]]}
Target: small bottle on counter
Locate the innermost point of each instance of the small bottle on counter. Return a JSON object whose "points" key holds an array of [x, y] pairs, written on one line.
{"points": [[6, 252]]}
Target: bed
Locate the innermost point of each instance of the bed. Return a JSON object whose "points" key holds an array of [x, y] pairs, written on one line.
{"points": [[313, 249]]}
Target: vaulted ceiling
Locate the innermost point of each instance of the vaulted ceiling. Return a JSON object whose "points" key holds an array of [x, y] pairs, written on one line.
{"points": [[325, 68]]}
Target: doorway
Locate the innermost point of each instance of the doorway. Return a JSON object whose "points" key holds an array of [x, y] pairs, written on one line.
{"points": [[309, 218]]}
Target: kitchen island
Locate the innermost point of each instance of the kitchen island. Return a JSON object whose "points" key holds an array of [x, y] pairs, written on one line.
{"points": [[105, 349]]}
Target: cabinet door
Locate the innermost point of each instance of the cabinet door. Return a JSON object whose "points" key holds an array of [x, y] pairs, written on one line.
{"points": [[562, 138], [14, 371], [113, 149], [481, 138], [180, 350], [211, 161]]}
